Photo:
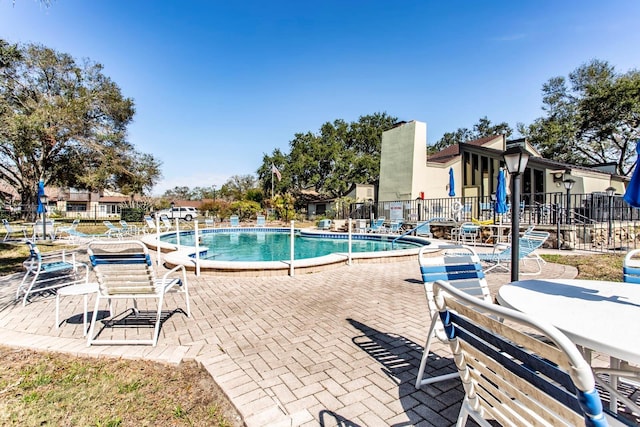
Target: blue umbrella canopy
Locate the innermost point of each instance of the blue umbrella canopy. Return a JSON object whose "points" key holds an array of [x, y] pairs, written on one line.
{"points": [[501, 194], [632, 195], [41, 208], [452, 188]]}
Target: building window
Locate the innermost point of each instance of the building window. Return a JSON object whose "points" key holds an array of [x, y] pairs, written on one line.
{"points": [[76, 207], [321, 209]]}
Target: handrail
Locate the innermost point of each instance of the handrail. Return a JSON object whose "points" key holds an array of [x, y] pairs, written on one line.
{"points": [[416, 229]]}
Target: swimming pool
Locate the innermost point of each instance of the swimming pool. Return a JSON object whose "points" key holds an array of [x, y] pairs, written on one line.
{"points": [[274, 244], [184, 254]]}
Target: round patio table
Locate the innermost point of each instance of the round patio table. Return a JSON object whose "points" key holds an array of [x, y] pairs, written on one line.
{"points": [[597, 315]]}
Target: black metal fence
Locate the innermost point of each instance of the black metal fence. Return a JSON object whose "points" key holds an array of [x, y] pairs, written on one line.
{"points": [[594, 221]]}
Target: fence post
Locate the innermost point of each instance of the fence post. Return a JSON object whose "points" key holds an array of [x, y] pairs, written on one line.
{"points": [[292, 248], [197, 245], [349, 259]]}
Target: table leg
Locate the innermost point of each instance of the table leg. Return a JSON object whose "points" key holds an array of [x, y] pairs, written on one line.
{"points": [[84, 316], [613, 380]]}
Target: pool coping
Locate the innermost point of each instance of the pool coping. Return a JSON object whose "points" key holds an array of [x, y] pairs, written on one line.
{"points": [[174, 255]]}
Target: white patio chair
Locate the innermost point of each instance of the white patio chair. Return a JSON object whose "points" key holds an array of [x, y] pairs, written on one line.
{"points": [[261, 221], [13, 229], [234, 221], [166, 222], [460, 266], [49, 228], [128, 230], [49, 271], [124, 271], [509, 374]]}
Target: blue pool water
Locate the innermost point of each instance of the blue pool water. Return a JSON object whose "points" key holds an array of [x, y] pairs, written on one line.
{"points": [[275, 246]]}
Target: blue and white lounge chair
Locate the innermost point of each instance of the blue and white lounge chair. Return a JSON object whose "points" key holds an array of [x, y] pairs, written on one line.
{"points": [[509, 374], [112, 230], [234, 221], [378, 225], [49, 271], [529, 242], [261, 221], [459, 266], [631, 267], [13, 229], [395, 226]]}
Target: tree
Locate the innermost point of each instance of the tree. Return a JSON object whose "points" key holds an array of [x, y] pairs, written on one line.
{"points": [[340, 155], [65, 123], [592, 118], [178, 193], [480, 130]]}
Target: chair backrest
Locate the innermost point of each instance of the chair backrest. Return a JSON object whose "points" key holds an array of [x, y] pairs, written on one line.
{"points": [[509, 373], [260, 221], [7, 226], [234, 220], [109, 225], [122, 267], [208, 222], [457, 264], [531, 241], [631, 267], [166, 221], [149, 221]]}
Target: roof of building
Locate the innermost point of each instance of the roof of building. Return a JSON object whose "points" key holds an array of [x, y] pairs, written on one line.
{"points": [[448, 153]]}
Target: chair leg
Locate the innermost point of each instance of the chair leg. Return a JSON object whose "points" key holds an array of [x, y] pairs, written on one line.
{"points": [[94, 318], [420, 381]]}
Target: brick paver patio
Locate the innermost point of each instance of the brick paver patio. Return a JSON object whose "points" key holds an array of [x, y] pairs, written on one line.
{"points": [[339, 347]]}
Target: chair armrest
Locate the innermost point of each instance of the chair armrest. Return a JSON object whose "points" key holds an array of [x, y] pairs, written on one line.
{"points": [[167, 281]]}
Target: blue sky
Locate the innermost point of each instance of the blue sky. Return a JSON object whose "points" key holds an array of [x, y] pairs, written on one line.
{"points": [[218, 84]]}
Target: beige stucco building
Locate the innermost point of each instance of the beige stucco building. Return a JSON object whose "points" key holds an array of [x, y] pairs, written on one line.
{"points": [[407, 172]]}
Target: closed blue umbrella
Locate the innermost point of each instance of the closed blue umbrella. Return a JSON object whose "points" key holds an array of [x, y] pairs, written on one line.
{"points": [[452, 188], [41, 208], [501, 194], [632, 195]]}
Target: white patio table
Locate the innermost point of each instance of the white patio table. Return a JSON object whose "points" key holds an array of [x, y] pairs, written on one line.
{"points": [[596, 315]]}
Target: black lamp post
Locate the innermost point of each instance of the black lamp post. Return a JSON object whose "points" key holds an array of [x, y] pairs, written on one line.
{"points": [[516, 159], [172, 204], [493, 206], [43, 201], [370, 212], [610, 192], [568, 184], [418, 199]]}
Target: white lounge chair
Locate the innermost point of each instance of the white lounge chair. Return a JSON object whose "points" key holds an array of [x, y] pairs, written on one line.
{"points": [[261, 221], [529, 242], [124, 271], [234, 221]]}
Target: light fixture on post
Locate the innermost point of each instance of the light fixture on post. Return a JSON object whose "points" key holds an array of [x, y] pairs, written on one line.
{"points": [[610, 192], [43, 201], [568, 185], [515, 158], [172, 204]]}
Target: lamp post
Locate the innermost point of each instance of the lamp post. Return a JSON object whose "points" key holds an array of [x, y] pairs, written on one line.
{"points": [[418, 199], [43, 201], [493, 205], [568, 184], [172, 204], [610, 192], [370, 212], [516, 159], [214, 192]]}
